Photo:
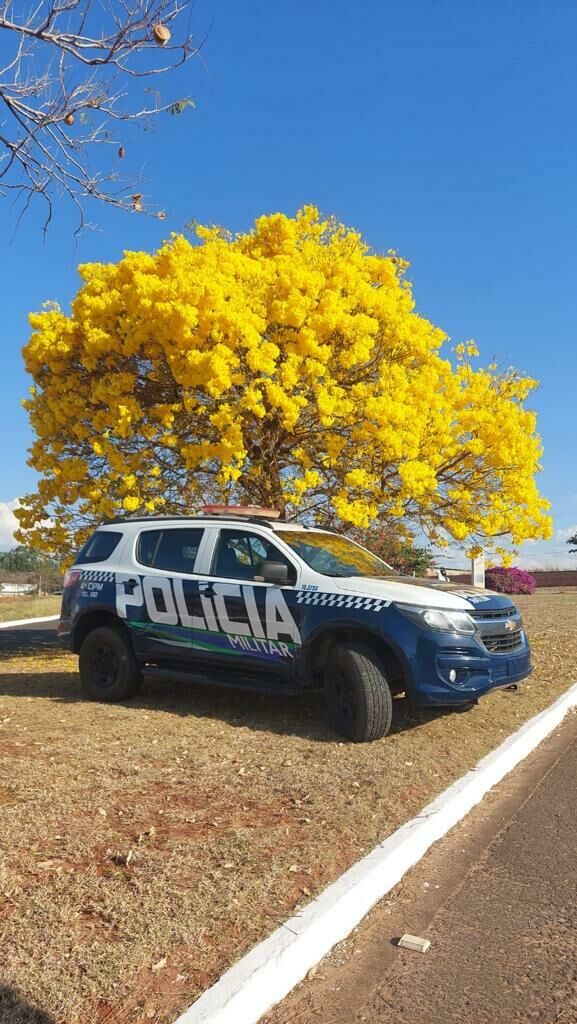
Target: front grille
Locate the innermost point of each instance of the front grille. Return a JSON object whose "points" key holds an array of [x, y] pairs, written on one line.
{"points": [[503, 643], [493, 613]]}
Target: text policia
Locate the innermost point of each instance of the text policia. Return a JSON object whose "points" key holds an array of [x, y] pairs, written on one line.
{"points": [[262, 629]]}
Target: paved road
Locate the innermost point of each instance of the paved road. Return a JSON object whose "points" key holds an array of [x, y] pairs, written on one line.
{"points": [[29, 639], [498, 900]]}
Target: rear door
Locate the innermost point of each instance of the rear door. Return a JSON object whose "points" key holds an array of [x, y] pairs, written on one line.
{"points": [[251, 625], [160, 599]]}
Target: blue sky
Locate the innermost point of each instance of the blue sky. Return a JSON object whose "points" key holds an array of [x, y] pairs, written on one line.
{"points": [[447, 131]]}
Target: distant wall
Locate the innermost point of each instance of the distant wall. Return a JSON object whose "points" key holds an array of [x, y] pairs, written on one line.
{"points": [[543, 577], [555, 577], [18, 588]]}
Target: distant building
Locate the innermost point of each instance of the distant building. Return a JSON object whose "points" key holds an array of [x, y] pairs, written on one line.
{"points": [[18, 588]]}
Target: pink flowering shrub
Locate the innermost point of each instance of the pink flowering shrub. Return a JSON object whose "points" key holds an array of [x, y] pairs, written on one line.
{"points": [[510, 581]]}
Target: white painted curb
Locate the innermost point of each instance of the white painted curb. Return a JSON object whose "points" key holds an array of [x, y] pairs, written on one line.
{"points": [[28, 622], [269, 971]]}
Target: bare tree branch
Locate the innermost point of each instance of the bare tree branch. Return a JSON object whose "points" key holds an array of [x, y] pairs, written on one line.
{"points": [[70, 84]]}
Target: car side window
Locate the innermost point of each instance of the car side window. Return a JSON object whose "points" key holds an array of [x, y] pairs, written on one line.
{"points": [[146, 546], [239, 553], [172, 550], [99, 547]]}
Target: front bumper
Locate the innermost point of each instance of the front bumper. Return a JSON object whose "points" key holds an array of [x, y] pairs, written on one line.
{"points": [[477, 670]]}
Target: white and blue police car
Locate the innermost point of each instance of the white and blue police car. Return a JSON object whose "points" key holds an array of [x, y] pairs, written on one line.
{"points": [[240, 597]]}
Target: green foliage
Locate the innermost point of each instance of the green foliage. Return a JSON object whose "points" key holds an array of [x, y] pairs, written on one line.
{"points": [[396, 549], [25, 560]]}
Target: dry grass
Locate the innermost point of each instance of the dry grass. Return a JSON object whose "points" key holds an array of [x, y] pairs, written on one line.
{"points": [[143, 848], [27, 607]]}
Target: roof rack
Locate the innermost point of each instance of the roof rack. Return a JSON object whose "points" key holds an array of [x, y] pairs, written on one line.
{"points": [[190, 518], [266, 517]]}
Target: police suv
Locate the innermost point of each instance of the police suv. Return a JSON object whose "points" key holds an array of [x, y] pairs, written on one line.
{"points": [[241, 598]]}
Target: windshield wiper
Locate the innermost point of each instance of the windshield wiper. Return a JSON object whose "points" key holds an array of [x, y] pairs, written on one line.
{"points": [[343, 574], [367, 575]]}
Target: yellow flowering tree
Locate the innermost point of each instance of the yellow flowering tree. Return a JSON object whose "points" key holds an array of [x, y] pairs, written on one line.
{"points": [[286, 367]]}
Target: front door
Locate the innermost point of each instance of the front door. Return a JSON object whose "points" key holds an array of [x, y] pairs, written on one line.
{"points": [[254, 625]]}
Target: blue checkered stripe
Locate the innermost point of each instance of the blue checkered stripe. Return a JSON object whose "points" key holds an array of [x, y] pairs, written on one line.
{"points": [[365, 604], [98, 575]]}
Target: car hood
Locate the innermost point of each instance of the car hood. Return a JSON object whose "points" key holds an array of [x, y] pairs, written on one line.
{"points": [[429, 593]]}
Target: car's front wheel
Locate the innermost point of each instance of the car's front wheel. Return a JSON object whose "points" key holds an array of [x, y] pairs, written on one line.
{"points": [[109, 670], [357, 693]]}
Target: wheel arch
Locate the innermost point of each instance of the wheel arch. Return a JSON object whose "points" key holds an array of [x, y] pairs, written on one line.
{"points": [[316, 653], [91, 619]]}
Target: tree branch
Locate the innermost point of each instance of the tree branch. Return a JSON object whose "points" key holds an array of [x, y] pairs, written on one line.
{"points": [[73, 60]]}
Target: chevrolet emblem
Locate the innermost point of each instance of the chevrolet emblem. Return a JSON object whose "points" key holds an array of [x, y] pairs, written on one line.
{"points": [[509, 624]]}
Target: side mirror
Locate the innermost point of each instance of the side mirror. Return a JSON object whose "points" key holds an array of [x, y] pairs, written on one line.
{"points": [[272, 572]]}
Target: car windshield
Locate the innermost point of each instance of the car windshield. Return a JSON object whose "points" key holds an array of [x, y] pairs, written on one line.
{"points": [[334, 555]]}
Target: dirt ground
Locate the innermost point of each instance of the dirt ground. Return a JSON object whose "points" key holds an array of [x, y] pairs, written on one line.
{"points": [[145, 847]]}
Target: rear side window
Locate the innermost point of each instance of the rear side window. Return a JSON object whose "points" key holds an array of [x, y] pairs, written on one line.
{"points": [[99, 547], [172, 550], [147, 545]]}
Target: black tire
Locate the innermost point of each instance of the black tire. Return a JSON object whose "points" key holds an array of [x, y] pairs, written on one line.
{"points": [[109, 670], [358, 697]]}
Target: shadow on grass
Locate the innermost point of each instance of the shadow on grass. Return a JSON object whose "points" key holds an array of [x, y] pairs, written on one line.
{"points": [[301, 715], [15, 1010]]}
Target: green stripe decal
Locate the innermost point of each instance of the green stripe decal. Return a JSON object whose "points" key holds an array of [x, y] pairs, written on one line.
{"points": [[210, 640]]}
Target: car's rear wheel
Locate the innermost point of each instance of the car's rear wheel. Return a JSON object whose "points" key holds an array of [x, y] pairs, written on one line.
{"points": [[358, 696], [109, 670]]}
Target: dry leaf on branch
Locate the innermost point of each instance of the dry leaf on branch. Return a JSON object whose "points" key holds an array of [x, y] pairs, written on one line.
{"points": [[161, 34]]}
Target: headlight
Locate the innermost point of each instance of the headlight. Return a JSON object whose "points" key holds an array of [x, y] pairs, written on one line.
{"points": [[434, 618]]}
